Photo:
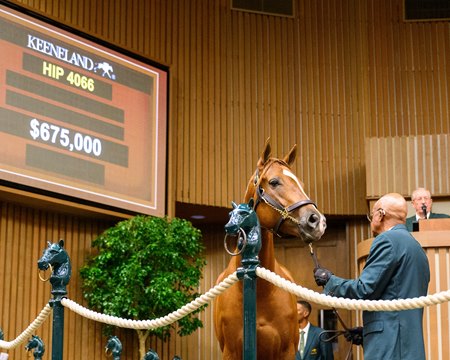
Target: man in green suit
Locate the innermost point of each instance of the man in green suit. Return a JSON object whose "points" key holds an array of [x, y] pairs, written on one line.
{"points": [[312, 347], [421, 201], [396, 268]]}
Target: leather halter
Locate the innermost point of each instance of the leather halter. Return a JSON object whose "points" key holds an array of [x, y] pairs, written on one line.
{"points": [[284, 211]]}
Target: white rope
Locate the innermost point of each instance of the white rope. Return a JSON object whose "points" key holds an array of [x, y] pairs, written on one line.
{"points": [[156, 323], [352, 304], [28, 331], [299, 291], [307, 294]]}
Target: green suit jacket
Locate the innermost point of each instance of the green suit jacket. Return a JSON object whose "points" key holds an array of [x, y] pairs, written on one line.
{"points": [[410, 220], [315, 348], [396, 268]]}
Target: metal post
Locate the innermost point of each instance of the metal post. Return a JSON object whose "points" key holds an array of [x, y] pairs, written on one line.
{"points": [[58, 327], [244, 222], [56, 258], [247, 273]]}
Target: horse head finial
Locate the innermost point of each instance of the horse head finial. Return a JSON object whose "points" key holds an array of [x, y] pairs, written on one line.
{"points": [[151, 355], [37, 344], [113, 347], [244, 224], [56, 258]]}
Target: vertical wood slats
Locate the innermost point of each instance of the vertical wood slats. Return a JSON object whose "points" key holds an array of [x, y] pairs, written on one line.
{"points": [[401, 164], [24, 233], [340, 71], [326, 79]]}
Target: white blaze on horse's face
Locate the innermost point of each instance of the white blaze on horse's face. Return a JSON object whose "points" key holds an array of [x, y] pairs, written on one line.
{"points": [[292, 176], [319, 230]]}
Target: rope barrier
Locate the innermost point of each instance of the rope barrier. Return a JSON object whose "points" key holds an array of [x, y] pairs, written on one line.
{"points": [[307, 294], [299, 291], [156, 323], [45, 312], [352, 304]]}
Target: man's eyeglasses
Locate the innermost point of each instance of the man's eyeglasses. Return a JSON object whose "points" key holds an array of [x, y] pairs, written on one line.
{"points": [[380, 210]]}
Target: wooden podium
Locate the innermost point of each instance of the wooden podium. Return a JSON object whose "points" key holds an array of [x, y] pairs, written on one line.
{"points": [[434, 225], [434, 237]]}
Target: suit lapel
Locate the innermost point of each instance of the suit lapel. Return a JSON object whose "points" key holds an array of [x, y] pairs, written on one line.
{"points": [[311, 339]]}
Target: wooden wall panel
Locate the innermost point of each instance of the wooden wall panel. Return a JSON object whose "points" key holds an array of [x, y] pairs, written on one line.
{"points": [[24, 233], [334, 75], [401, 164], [337, 72]]}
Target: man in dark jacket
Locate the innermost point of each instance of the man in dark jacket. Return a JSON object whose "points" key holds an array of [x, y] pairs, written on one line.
{"points": [[421, 201], [311, 347], [396, 268]]}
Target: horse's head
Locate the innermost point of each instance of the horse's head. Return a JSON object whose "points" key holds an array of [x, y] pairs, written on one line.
{"points": [[241, 217], [244, 222], [113, 346], [53, 255], [32, 343], [56, 257], [151, 355], [281, 202], [36, 343]]}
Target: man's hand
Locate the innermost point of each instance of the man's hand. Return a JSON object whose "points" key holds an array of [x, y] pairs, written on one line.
{"points": [[322, 276], [355, 335]]}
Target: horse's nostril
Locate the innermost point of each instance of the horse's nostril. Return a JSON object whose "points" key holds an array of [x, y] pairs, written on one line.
{"points": [[313, 220]]}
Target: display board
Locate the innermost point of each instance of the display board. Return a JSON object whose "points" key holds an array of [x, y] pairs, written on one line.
{"points": [[79, 118]]}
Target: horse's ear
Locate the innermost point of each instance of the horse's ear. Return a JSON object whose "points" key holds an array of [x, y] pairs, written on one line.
{"points": [[251, 202], [265, 154], [61, 243], [290, 157], [49, 243], [233, 204]]}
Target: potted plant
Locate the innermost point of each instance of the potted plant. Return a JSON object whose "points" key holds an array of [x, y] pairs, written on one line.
{"points": [[145, 268]]}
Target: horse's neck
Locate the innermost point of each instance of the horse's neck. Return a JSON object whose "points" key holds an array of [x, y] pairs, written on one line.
{"points": [[267, 252]]}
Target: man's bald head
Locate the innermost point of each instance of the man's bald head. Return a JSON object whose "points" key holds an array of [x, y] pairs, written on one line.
{"points": [[394, 205], [388, 211]]}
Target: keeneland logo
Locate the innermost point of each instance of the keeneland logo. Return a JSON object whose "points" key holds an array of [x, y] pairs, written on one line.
{"points": [[70, 57], [106, 68]]}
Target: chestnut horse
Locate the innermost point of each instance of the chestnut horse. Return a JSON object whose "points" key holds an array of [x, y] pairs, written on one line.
{"points": [[284, 209]]}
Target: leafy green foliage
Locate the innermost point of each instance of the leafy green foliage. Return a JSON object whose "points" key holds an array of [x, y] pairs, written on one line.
{"points": [[146, 267]]}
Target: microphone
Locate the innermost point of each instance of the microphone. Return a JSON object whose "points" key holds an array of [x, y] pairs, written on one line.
{"points": [[424, 209]]}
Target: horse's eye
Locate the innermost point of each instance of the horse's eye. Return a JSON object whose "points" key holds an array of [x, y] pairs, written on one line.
{"points": [[274, 182]]}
